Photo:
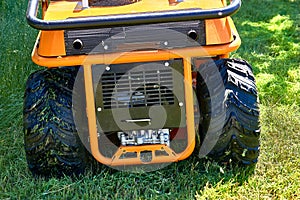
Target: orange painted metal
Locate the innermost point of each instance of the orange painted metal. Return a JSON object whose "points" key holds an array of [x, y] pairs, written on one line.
{"points": [[49, 51], [125, 57], [116, 160], [218, 31], [189, 106], [91, 115], [52, 43]]}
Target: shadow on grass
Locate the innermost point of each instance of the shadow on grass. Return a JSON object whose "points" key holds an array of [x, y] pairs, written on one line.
{"points": [[182, 180]]}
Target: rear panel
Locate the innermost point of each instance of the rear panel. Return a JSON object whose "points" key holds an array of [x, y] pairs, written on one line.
{"points": [[144, 37], [153, 91]]}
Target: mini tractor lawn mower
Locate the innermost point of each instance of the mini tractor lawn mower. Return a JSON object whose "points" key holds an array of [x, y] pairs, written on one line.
{"points": [[137, 83]]}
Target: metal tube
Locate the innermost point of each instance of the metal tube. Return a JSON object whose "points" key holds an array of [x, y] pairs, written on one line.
{"points": [[128, 19], [85, 3]]}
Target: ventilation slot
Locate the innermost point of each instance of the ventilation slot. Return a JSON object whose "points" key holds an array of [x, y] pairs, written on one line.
{"points": [[137, 88]]}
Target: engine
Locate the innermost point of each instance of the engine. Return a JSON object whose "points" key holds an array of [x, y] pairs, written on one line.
{"points": [[141, 137]]}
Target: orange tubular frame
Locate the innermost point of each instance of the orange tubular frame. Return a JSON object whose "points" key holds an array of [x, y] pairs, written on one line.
{"points": [[50, 55], [186, 54], [115, 160]]}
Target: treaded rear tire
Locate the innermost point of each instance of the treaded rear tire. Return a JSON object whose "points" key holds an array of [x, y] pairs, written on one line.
{"points": [[52, 145], [235, 98]]}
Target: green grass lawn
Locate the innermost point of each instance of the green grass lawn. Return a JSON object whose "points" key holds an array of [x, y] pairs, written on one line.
{"points": [[271, 43]]}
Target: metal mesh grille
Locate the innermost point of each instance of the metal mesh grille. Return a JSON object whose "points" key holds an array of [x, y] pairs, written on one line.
{"points": [[137, 88]]}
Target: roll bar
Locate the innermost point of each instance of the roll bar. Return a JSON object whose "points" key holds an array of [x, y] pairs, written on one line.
{"points": [[127, 19]]}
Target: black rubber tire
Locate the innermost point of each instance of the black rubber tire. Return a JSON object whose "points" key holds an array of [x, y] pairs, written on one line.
{"points": [[52, 145], [228, 100]]}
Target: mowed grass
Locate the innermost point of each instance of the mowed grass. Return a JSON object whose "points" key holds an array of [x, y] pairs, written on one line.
{"points": [[271, 43]]}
